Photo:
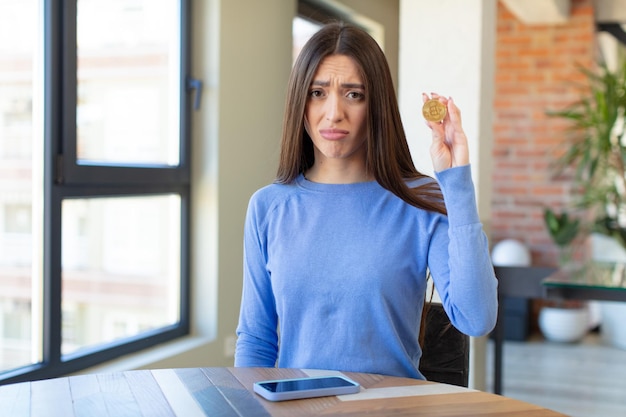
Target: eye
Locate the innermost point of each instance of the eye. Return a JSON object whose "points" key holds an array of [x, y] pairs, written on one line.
{"points": [[316, 93], [355, 95]]}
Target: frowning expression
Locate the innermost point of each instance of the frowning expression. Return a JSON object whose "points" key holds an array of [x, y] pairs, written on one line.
{"points": [[336, 111]]}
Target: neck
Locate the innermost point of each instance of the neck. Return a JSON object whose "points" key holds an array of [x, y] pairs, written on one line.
{"points": [[345, 175]]}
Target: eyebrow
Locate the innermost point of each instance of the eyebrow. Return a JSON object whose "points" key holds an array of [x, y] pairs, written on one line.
{"points": [[344, 85]]}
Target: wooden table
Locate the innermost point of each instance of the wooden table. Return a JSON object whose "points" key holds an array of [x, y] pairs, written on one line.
{"points": [[191, 392]]}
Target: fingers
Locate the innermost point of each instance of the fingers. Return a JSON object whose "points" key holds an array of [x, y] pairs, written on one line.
{"points": [[449, 143], [452, 105], [426, 97]]}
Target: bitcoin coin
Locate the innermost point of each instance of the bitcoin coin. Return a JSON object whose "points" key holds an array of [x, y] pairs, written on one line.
{"points": [[433, 110]]}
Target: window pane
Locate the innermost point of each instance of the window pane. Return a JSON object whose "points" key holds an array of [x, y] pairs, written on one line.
{"points": [[302, 30], [19, 238], [120, 267], [128, 60]]}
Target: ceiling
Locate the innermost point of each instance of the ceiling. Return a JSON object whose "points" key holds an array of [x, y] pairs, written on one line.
{"points": [[610, 14]]}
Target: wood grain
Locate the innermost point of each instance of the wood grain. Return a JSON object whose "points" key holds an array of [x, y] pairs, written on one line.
{"points": [[226, 392]]}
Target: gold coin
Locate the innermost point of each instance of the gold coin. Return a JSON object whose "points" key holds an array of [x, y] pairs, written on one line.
{"points": [[434, 110]]}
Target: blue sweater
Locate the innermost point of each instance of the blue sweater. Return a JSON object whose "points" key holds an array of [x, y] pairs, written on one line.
{"points": [[335, 275]]}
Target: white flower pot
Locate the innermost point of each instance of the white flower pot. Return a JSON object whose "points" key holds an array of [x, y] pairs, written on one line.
{"points": [[613, 328], [566, 325]]}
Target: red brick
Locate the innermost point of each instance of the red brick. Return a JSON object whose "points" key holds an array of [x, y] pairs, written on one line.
{"points": [[535, 67]]}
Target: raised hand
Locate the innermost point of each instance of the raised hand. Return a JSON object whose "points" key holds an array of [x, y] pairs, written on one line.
{"points": [[449, 147]]}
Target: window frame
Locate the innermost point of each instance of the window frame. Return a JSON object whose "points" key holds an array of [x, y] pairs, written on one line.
{"points": [[322, 12], [63, 178]]}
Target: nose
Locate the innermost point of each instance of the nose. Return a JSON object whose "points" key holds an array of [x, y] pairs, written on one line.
{"points": [[334, 108]]}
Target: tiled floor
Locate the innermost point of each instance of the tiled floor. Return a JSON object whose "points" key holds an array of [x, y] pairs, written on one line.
{"points": [[586, 379]]}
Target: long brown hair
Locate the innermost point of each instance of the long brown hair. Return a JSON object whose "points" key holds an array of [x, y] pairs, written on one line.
{"points": [[388, 156]]}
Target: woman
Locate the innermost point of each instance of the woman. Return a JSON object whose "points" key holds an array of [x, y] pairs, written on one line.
{"points": [[337, 250]]}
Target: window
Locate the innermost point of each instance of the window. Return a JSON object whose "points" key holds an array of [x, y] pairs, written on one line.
{"points": [[302, 29], [94, 181], [313, 14]]}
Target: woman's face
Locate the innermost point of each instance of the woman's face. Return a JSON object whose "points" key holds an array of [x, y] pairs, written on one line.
{"points": [[336, 110]]}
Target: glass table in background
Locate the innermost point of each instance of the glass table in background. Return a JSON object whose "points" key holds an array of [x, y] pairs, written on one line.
{"points": [[599, 281], [602, 281]]}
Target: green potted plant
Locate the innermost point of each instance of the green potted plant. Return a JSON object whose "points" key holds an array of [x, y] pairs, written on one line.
{"points": [[596, 152], [563, 230]]}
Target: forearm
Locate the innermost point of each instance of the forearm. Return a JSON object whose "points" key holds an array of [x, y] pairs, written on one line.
{"points": [[468, 287]]}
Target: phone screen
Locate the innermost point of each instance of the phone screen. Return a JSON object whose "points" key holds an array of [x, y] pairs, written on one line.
{"points": [[306, 384]]}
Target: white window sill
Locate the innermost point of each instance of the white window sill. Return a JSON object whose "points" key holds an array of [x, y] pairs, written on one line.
{"points": [[171, 354]]}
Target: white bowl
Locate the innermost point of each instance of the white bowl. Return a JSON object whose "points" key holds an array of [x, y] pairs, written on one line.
{"points": [[565, 325]]}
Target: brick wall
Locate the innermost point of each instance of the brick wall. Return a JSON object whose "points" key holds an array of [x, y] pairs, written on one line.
{"points": [[534, 64]]}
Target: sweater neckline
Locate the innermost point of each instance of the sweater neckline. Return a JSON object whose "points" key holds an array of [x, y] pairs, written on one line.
{"points": [[336, 188]]}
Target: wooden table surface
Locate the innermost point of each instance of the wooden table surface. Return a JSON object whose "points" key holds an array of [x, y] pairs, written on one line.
{"points": [[190, 392]]}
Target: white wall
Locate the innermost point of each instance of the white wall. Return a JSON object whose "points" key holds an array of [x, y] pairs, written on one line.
{"points": [[449, 49], [242, 51]]}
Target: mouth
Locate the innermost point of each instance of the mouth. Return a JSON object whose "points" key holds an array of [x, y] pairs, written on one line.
{"points": [[333, 134]]}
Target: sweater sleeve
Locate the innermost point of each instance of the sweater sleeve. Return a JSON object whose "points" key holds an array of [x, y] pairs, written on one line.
{"points": [[459, 257], [257, 338]]}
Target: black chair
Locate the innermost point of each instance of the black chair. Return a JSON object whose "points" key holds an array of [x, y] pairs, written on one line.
{"points": [[445, 350]]}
